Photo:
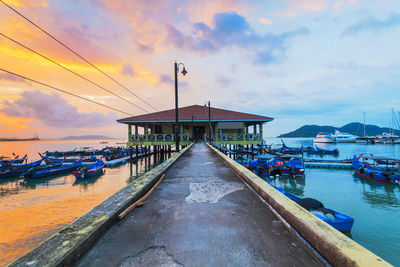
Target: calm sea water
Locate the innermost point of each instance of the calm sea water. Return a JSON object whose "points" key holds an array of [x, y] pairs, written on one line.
{"points": [[33, 210], [374, 206]]}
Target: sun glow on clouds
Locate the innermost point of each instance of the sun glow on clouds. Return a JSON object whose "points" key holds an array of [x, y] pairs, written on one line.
{"points": [[239, 54]]}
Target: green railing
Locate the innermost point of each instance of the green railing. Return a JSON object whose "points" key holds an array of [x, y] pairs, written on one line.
{"points": [[164, 138], [239, 137]]}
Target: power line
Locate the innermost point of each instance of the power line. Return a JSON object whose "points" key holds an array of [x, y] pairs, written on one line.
{"points": [[61, 90], [77, 74], [87, 61]]}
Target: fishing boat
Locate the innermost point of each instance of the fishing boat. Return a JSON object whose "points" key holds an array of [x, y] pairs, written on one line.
{"points": [[54, 170], [337, 220], [19, 169], [344, 137], [324, 138], [374, 172], [72, 160], [88, 172], [287, 150], [320, 151], [293, 167], [16, 160]]}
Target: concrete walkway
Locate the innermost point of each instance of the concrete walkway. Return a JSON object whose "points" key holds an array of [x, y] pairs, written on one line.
{"points": [[200, 215]]}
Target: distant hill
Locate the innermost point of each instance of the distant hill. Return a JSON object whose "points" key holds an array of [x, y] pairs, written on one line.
{"points": [[355, 128], [86, 137]]}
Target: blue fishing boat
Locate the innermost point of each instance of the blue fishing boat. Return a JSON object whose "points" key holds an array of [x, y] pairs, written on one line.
{"points": [[88, 172], [293, 167], [19, 170], [370, 171], [320, 151], [337, 220], [16, 160], [54, 170]]}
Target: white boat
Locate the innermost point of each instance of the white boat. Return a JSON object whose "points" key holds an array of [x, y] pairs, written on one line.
{"points": [[387, 138], [324, 138], [344, 137]]}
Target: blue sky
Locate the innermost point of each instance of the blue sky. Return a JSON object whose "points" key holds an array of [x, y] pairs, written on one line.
{"points": [[300, 61]]}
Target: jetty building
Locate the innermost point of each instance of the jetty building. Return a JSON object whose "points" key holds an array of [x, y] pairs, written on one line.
{"points": [[195, 123]]}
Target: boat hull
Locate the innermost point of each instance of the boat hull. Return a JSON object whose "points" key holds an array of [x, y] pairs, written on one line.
{"points": [[53, 171], [374, 178], [92, 172], [342, 223]]}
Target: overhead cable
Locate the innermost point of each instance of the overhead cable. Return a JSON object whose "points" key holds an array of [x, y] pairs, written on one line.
{"points": [[61, 90], [68, 69], [76, 53]]}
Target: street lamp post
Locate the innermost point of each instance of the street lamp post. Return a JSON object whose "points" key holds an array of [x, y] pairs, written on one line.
{"points": [[176, 69]]}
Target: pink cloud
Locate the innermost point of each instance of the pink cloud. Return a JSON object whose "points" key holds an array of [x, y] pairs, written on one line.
{"points": [[54, 111], [296, 7]]}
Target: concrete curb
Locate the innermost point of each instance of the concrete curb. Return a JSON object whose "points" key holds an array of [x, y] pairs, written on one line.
{"points": [[337, 248], [67, 246]]}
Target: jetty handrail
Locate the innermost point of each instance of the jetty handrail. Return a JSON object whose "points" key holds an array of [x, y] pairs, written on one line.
{"points": [[159, 137]]}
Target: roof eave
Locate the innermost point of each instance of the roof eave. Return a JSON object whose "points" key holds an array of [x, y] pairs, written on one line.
{"points": [[173, 121]]}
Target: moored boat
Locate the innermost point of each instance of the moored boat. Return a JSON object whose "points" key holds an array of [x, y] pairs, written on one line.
{"points": [[88, 172], [337, 220], [371, 171], [293, 167], [19, 170], [344, 137], [54, 170], [320, 151], [324, 138]]}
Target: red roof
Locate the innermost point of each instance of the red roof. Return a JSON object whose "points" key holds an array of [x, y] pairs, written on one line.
{"points": [[196, 113]]}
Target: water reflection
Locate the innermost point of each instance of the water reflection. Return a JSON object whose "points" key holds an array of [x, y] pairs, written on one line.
{"points": [[33, 209], [9, 187], [85, 183], [294, 185], [378, 194], [60, 179]]}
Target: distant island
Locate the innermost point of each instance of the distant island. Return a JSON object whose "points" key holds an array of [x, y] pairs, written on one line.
{"points": [[354, 128], [19, 139], [86, 137]]}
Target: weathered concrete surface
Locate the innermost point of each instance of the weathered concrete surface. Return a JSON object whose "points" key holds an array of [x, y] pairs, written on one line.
{"points": [[200, 215], [337, 248], [69, 244]]}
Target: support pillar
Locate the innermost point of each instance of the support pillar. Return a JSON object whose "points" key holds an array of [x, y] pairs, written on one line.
{"points": [[129, 132], [146, 132], [216, 132], [244, 132]]}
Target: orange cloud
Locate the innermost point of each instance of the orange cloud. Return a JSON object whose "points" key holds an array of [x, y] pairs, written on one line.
{"points": [[265, 21], [31, 3]]}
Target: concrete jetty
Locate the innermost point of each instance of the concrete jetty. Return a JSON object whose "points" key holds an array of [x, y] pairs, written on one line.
{"points": [[202, 214], [208, 211]]}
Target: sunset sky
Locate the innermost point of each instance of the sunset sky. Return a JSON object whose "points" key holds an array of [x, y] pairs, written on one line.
{"points": [[299, 61]]}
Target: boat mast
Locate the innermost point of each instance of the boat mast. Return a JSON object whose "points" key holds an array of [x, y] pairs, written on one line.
{"points": [[364, 123]]}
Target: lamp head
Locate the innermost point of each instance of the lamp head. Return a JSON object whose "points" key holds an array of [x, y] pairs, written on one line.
{"points": [[184, 71]]}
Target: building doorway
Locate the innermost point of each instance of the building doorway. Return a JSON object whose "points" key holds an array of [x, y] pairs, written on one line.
{"points": [[198, 132]]}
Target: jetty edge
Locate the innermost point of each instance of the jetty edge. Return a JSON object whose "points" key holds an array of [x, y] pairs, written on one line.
{"points": [[72, 242], [335, 247]]}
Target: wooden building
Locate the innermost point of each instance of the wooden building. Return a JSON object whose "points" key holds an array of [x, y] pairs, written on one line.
{"points": [[223, 126]]}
